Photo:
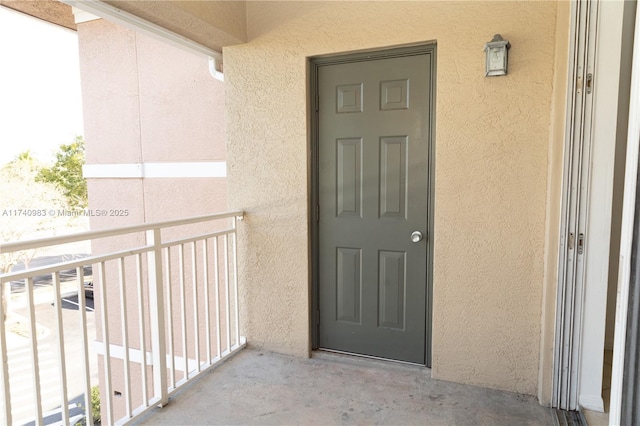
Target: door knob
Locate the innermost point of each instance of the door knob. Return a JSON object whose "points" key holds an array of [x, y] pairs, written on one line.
{"points": [[416, 236]]}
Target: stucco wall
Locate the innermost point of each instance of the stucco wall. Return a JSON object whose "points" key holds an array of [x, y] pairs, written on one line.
{"points": [[491, 146], [147, 102]]}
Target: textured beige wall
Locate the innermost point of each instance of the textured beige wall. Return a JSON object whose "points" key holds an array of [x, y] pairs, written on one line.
{"points": [[228, 16], [108, 75], [492, 138], [144, 100]]}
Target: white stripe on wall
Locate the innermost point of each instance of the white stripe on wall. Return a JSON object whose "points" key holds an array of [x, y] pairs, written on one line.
{"points": [[211, 169]]}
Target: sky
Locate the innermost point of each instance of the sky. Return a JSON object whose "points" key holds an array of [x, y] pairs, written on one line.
{"points": [[40, 102]]}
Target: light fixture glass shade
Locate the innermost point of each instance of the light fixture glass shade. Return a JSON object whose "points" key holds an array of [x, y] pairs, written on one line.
{"points": [[496, 56]]}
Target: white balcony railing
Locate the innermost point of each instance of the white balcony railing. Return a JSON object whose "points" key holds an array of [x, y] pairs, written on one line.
{"points": [[165, 311]]}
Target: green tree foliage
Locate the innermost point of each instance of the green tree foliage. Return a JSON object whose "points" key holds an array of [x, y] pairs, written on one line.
{"points": [[25, 205], [24, 211], [24, 157], [95, 405], [66, 173]]}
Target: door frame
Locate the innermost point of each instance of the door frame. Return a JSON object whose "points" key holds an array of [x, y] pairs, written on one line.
{"points": [[597, 44], [624, 345], [313, 65], [575, 205]]}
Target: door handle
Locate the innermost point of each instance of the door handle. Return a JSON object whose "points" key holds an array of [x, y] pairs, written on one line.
{"points": [[416, 236]]}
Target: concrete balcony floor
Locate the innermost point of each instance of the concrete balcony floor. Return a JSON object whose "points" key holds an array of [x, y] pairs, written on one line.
{"points": [[256, 387]]}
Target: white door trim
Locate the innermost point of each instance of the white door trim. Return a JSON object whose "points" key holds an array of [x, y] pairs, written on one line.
{"points": [[590, 158], [574, 216], [628, 212], [607, 112]]}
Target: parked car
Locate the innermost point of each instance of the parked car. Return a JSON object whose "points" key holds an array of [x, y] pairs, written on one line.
{"points": [[88, 289]]}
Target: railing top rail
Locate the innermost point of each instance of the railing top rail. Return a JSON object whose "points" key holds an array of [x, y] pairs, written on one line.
{"points": [[198, 238], [71, 264], [85, 261], [110, 232]]}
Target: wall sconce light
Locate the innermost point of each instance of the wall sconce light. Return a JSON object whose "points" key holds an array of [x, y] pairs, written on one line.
{"points": [[497, 52]]}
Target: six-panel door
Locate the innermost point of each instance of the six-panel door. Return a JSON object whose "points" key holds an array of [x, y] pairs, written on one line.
{"points": [[373, 193]]}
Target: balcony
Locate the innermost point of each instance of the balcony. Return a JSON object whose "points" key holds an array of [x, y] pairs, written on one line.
{"points": [[167, 311]]}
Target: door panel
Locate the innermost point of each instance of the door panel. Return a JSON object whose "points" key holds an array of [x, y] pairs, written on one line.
{"points": [[393, 177], [349, 177], [348, 284], [392, 287], [373, 159]]}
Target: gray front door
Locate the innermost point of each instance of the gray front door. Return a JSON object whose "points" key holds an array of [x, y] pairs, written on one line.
{"points": [[373, 192]]}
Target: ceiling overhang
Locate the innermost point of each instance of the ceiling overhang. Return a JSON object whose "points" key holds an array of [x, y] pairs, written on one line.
{"points": [[48, 10], [213, 24]]}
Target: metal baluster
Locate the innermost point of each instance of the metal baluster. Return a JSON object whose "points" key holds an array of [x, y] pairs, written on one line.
{"points": [[172, 354], [125, 336], [28, 283], [196, 319], [62, 367], [157, 317], [207, 314], [216, 281], [234, 255], [85, 342], [183, 313], [226, 290], [5, 389], [108, 398], [141, 329]]}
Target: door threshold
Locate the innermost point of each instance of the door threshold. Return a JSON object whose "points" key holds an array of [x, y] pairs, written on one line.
{"points": [[356, 356], [569, 418]]}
